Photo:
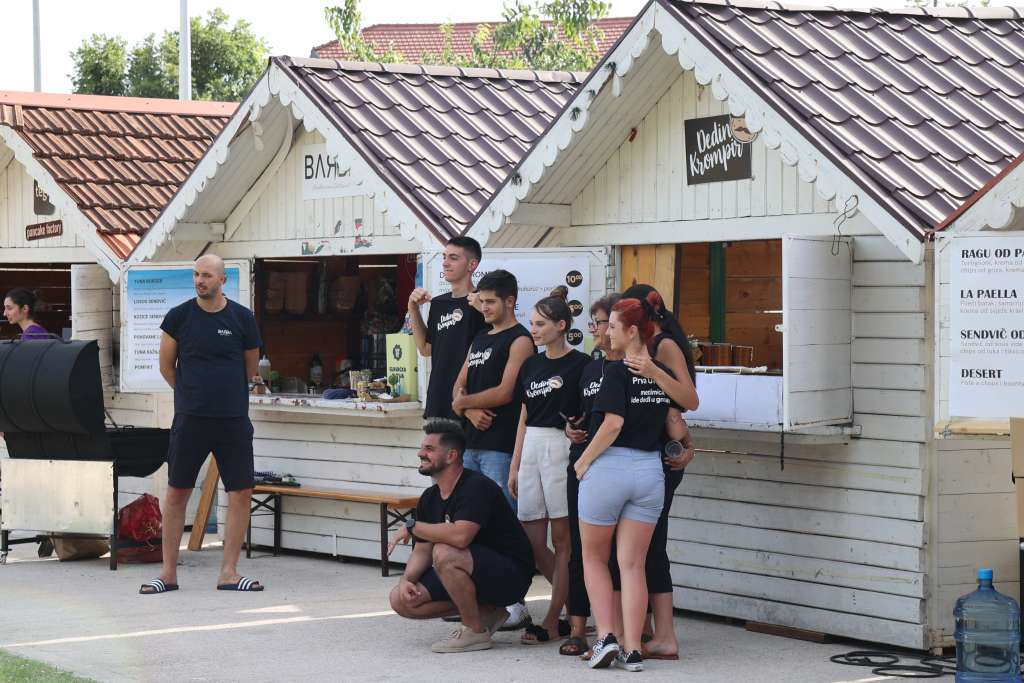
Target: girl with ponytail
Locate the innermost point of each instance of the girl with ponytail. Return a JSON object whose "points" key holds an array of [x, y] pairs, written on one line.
{"points": [[20, 305], [547, 387], [622, 484]]}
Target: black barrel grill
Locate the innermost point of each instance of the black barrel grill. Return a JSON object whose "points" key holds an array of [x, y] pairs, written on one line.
{"points": [[51, 408]]}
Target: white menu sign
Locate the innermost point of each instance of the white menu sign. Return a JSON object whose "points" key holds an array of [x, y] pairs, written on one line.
{"points": [[986, 315], [149, 292]]}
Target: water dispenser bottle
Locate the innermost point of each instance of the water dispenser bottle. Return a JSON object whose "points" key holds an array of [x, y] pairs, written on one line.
{"points": [[987, 635]]}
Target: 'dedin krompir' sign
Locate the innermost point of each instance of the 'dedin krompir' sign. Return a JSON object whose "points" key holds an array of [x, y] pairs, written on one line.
{"points": [[713, 152]]}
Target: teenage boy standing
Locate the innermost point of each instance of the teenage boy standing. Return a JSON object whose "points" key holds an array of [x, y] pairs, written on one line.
{"points": [[450, 327], [485, 392]]}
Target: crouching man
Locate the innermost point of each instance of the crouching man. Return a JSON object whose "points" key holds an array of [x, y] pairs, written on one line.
{"points": [[471, 556]]}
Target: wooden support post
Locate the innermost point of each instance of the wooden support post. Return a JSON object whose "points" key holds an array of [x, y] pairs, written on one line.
{"points": [[209, 493]]}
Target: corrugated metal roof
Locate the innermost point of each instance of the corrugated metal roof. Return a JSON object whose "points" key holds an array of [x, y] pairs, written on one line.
{"points": [[413, 41], [443, 138], [120, 159], [926, 106]]}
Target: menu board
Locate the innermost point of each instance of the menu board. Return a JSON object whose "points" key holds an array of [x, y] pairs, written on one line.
{"points": [[538, 272], [986, 316], [148, 293]]}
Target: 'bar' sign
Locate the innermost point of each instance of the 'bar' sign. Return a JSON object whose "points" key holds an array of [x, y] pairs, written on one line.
{"points": [[39, 231], [713, 153]]}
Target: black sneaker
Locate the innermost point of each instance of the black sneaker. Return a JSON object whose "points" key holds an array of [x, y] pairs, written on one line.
{"points": [[633, 661], [603, 652]]}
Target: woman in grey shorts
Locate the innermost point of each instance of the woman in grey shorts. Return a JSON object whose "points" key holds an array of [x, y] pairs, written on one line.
{"points": [[622, 484]]}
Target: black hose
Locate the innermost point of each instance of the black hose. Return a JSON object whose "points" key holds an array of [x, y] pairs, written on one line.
{"points": [[898, 664]]}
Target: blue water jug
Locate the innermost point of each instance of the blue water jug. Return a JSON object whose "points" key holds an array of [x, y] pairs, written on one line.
{"points": [[987, 635]]}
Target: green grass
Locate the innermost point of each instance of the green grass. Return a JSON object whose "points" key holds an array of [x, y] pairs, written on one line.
{"points": [[20, 670]]}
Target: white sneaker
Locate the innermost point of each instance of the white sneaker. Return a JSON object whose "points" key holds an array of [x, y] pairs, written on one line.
{"points": [[518, 617]]}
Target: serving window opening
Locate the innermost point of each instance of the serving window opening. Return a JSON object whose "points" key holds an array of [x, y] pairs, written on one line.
{"points": [[324, 321], [51, 283]]}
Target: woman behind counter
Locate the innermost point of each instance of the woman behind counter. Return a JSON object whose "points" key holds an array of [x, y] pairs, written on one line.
{"points": [[20, 305]]}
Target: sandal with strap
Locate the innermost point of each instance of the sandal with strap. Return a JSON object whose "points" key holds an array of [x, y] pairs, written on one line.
{"points": [[541, 635], [244, 584], [156, 586], [574, 647]]}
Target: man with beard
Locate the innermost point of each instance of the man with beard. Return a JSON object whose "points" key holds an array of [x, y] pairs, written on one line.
{"points": [[472, 556], [209, 348]]}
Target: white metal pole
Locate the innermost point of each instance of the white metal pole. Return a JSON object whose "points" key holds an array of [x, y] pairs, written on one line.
{"points": [[184, 55], [37, 53]]}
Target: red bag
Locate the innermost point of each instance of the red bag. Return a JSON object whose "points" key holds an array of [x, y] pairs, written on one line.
{"points": [[139, 529]]}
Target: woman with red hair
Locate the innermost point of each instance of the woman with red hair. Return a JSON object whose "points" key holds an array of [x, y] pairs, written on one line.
{"points": [[622, 484]]}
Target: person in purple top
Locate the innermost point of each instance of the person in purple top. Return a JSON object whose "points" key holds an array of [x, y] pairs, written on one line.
{"points": [[20, 305]]}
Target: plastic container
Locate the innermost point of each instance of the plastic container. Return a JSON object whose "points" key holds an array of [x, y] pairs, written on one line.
{"points": [[987, 635]]}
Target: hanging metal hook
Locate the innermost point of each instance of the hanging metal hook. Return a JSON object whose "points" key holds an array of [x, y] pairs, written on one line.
{"points": [[849, 208]]}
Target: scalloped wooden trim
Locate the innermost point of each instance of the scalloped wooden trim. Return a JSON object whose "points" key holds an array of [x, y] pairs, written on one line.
{"points": [[997, 208]]}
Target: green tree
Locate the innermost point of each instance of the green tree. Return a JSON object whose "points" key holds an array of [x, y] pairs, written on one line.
{"points": [[535, 34], [226, 61], [99, 65]]}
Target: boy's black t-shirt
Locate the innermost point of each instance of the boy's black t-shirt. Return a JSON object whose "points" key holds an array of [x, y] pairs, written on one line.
{"points": [[639, 401], [488, 356], [478, 499], [586, 391], [210, 377], [451, 325], [549, 386]]}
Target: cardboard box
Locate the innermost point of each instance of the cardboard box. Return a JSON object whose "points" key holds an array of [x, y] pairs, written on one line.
{"points": [[402, 361]]}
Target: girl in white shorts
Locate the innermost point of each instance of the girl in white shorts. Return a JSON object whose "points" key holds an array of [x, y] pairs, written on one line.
{"points": [[547, 388]]}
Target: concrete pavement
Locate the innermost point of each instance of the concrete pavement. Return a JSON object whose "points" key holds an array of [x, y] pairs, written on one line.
{"points": [[320, 619]]}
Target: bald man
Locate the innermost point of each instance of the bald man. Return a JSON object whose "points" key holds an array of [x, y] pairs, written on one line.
{"points": [[209, 350]]}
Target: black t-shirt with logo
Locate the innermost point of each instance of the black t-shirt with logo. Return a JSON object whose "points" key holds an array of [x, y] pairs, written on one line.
{"points": [[477, 499], [639, 401], [586, 391], [451, 325], [210, 378], [549, 386], [488, 356]]}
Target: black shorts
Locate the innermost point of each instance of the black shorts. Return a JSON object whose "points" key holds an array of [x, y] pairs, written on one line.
{"points": [[194, 437], [499, 580]]}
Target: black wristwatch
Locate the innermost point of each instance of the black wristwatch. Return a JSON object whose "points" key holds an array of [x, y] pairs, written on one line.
{"points": [[409, 524]]}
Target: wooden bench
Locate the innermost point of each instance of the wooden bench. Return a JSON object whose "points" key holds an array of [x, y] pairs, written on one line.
{"points": [[391, 510]]}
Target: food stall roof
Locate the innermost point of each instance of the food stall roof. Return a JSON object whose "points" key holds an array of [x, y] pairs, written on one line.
{"points": [[913, 110], [118, 159]]}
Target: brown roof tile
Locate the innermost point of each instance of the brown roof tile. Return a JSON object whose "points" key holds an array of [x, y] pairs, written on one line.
{"points": [[120, 159], [443, 138], [926, 107], [413, 41]]}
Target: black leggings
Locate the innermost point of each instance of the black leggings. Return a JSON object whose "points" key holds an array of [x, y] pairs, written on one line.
{"points": [[659, 573], [579, 602]]}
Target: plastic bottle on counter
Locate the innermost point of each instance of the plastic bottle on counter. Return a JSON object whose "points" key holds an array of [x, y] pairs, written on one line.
{"points": [[987, 635], [316, 371], [264, 369]]}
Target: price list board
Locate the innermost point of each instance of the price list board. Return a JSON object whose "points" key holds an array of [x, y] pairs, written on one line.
{"points": [[148, 294], [986, 316]]}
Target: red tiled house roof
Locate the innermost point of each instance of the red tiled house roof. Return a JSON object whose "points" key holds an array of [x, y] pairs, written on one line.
{"points": [[413, 41], [444, 138], [120, 159], [923, 107]]}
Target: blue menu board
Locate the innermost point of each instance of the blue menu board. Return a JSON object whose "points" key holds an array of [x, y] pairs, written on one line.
{"points": [[149, 294]]}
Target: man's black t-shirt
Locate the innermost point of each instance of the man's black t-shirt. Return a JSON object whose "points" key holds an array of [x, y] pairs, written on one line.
{"points": [[488, 356], [451, 325], [586, 391], [548, 386], [210, 377], [479, 500], [639, 401]]}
